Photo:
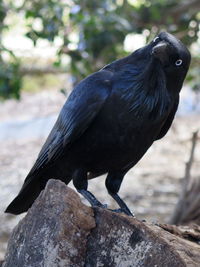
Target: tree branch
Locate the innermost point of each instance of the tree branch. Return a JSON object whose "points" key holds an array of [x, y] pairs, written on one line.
{"points": [[187, 208], [188, 6], [40, 71]]}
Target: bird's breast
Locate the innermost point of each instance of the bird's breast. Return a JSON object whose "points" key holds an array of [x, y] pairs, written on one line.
{"points": [[115, 141], [118, 137]]}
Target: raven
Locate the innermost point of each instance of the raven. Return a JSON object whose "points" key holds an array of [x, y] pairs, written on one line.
{"points": [[109, 121]]}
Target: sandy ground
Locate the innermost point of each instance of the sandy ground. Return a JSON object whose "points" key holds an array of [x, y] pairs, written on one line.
{"points": [[150, 189]]}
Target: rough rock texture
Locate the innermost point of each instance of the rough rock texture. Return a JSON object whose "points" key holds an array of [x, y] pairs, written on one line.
{"points": [[61, 231], [54, 231], [124, 242]]}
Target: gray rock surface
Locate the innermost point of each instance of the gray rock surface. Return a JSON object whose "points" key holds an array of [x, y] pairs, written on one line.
{"points": [[54, 231], [59, 230]]}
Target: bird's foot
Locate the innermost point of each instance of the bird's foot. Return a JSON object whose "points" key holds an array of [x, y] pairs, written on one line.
{"points": [[121, 203], [92, 199], [96, 203], [127, 212], [100, 205]]}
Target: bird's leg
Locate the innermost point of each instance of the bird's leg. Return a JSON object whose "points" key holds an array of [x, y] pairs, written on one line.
{"points": [[91, 198], [81, 183], [121, 203], [113, 183]]}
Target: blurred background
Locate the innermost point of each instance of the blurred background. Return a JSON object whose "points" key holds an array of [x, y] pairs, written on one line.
{"points": [[47, 46]]}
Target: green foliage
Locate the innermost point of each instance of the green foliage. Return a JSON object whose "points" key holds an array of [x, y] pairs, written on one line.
{"points": [[50, 14], [10, 78], [3, 12], [92, 33]]}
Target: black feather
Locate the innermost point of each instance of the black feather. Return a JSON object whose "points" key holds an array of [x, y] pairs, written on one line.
{"points": [[110, 120]]}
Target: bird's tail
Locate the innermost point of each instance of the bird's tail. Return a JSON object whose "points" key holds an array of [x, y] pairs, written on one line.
{"points": [[31, 189], [24, 200]]}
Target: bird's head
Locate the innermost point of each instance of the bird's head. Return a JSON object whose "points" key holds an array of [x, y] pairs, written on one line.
{"points": [[171, 54], [170, 51]]}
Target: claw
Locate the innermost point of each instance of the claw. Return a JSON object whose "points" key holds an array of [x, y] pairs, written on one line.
{"points": [[92, 199], [103, 206], [121, 203], [127, 212]]}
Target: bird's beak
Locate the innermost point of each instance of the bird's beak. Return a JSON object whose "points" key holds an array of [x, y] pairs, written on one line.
{"points": [[160, 51]]}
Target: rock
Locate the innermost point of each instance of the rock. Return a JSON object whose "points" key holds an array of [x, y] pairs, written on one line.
{"points": [[122, 241], [54, 231], [59, 230]]}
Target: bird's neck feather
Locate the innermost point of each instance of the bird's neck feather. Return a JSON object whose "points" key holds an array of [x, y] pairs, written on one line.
{"points": [[150, 96]]}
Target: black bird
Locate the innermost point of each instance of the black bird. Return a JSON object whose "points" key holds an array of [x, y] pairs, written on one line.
{"points": [[109, 121]]}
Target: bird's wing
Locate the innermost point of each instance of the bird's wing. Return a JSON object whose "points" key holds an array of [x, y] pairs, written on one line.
{"points": [[169, 120], [79, 111]]}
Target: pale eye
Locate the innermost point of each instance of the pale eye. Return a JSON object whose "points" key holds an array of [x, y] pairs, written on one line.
{"points": [[179, 62], [156, 39]]}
